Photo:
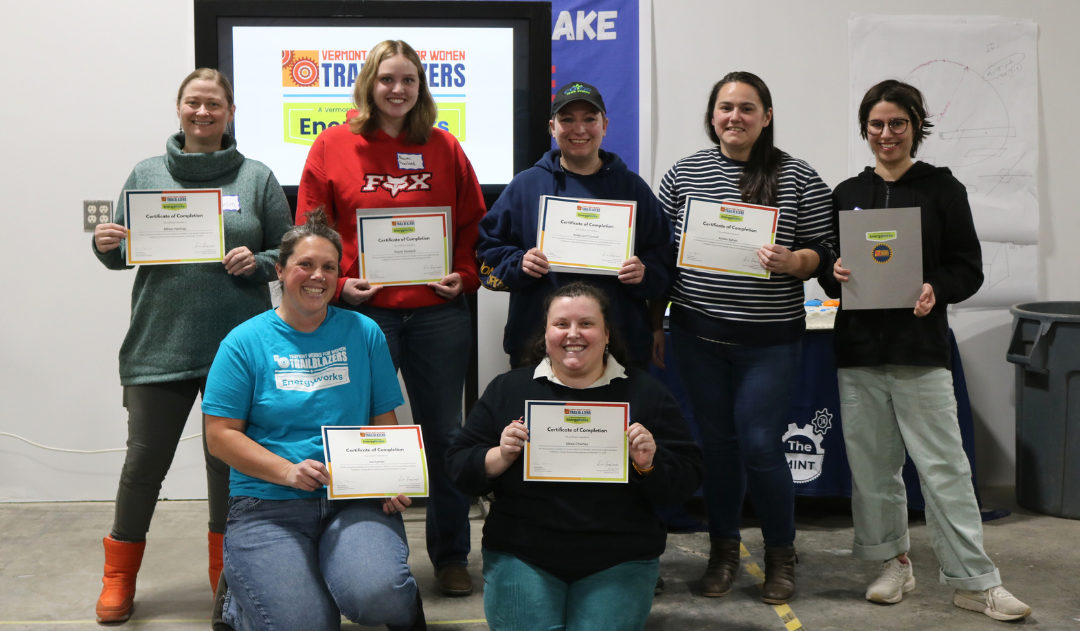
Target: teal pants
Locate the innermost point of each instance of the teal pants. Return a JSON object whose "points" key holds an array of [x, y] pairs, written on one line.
{"points": [[887, 410], [519, 596]]}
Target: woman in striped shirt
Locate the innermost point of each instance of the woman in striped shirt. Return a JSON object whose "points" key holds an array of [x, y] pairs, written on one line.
{"points": [[737, 338]]}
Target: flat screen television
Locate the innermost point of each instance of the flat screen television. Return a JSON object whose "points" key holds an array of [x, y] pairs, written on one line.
{"points": [[293, 64]]}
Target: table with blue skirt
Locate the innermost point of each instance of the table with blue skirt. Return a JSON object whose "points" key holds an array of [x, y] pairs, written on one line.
{"points": [[815, 437]]}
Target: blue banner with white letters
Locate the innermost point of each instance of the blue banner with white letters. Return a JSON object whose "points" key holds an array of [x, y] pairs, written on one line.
{"points": [[596, 41]]}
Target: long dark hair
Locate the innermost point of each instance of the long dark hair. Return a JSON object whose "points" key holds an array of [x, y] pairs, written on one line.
{"points": [[760, 180], [536, 351]]}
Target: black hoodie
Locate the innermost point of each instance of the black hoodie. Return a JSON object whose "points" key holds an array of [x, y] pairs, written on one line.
{"points": [[952, 265]]}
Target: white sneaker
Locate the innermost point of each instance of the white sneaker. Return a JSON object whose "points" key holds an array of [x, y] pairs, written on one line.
{"points": [[895, 580], [995, 602]]}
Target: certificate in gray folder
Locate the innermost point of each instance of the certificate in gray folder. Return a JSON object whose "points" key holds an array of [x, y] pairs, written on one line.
{"points": [[883, 250]]}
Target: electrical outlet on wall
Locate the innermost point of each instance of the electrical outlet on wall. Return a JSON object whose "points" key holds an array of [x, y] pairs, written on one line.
{"points": [[95, 212]]}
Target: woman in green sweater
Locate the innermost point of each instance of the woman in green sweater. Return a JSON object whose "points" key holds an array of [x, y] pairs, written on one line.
{"points": [[179, 315]]}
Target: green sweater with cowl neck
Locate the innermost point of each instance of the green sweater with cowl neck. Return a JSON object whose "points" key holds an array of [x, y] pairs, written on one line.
{"points": [[180, 313]]}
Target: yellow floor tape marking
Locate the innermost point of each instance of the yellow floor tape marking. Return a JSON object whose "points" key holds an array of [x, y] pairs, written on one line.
{"points": [[787, 616]]}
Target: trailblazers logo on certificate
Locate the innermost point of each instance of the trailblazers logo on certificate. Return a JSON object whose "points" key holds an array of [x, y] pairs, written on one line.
{"points": [[577, 416], [174, 202], [588, 212], [373, 438], [732, 214], [403, 226], [308, 372]]}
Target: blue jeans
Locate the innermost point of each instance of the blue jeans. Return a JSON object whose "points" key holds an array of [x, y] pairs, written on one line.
{"points": [[740, 397], [302, 564], [519, 596], [431, 346]]}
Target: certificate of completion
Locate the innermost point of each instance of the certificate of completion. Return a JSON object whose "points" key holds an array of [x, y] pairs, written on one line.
{"points": [[166, 227], [725, 236], [374, 461], [404, 246], [587, 236], [577, 441]]}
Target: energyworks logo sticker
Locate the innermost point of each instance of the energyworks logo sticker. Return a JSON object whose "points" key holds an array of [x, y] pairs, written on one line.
{"points": [[299, 68], [588, 212], [173, 202], [884, 235], [577, 416], [805, 449], [402, 226], [373, 438]]}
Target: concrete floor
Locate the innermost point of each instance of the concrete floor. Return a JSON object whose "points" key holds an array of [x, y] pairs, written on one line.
{"points": [[50, 573]]}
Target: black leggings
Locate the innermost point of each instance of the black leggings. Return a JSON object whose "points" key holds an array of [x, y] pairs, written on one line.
{"points": [[157, 413]]}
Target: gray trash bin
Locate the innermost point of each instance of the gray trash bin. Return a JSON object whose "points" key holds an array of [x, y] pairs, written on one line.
{"points": [[1045, 347]]}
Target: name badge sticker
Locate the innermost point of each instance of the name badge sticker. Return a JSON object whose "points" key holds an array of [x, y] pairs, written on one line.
{"points": [[230, 202], [410, 161]]}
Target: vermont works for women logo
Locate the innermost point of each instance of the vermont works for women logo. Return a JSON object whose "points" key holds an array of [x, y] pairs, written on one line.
{"points": [[373, 438], [403, 226], [577, 88], [881, 253], [731, 214], [173, 202], [805, 452], [577, 416], [588, 212]]}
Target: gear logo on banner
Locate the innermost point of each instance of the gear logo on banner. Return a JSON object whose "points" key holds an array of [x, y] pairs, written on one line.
{"points": [[805, 449], [299, 68]]}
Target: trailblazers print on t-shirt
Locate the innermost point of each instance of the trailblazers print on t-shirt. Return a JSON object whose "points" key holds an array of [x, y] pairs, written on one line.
{"points": [[308, 372], [394, 184]]}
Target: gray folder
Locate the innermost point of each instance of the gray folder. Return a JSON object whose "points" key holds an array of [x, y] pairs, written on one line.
{"points": [[883, 250]]}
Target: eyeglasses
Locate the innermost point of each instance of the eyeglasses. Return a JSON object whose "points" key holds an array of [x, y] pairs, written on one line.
{"points": [[896, 126]]}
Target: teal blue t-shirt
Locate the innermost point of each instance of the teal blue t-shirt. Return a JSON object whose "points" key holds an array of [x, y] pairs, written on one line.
{"points": [[286, 385]]}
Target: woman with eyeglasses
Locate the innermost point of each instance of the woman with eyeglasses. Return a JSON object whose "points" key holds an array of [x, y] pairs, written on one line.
{"points": [[737, 339], [896, 386]]}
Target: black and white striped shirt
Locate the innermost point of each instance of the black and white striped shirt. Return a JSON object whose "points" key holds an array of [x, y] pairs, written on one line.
{"points": [[749, 310]]}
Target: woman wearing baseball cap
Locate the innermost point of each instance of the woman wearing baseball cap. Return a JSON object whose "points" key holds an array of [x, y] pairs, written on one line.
{"points": [[578, 168]]}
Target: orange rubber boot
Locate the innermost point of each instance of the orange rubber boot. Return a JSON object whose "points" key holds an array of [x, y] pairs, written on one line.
{"points": [[214, 540], [122, 561]]}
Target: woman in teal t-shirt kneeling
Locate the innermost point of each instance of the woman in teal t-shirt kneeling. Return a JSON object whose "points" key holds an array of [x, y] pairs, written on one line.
{"points": [[292, 556]]}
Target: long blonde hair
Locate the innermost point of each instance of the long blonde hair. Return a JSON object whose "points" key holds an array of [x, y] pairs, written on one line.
{"points": [[421, 117]]}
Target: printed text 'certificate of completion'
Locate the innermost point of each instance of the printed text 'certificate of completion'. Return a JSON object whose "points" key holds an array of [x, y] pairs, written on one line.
{"points": [[725, 236], [404, 246], [166, 227], [374, 461], [587, 236], [576, 441]]}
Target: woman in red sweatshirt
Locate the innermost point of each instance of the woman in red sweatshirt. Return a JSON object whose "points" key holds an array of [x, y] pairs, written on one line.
{"points": [[389, 156]]}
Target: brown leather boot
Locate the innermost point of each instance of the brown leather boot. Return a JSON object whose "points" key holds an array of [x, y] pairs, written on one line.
{"points": [[213, 546], [122, 562], [779, 584], [723, 566]]}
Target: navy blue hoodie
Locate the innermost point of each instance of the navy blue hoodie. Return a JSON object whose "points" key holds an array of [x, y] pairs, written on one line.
{"points": [[509, 230]]}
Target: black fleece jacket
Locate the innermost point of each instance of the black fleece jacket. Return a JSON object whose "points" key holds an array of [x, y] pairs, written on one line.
{"points": [[574, 529], [952, 265]]}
